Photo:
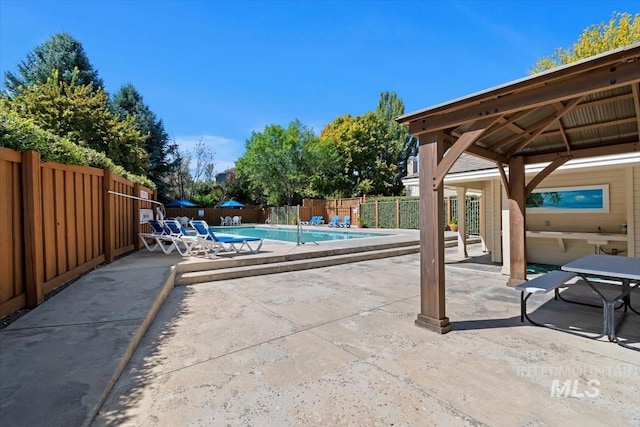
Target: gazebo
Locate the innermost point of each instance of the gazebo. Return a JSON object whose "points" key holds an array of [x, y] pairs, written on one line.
{"points": [[585, 109]]}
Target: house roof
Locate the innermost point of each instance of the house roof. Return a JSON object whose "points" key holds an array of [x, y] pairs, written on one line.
{"points": [[584, 109]]}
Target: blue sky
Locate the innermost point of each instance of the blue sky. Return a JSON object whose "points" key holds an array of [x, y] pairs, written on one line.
{"points": [[219, 70]]}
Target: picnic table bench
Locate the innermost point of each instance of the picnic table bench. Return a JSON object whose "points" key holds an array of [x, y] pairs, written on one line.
{"points": [[545, 283]]}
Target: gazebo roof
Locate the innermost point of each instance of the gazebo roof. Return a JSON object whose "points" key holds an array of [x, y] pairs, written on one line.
{"points": [[587, 108]]}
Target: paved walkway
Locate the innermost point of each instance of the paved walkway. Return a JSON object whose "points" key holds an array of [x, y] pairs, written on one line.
{"points": [[330, 346]]}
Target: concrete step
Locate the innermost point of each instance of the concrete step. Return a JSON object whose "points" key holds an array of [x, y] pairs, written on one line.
{"points": [[224, 269], [207, 264], [319, 252], [256, 269]]}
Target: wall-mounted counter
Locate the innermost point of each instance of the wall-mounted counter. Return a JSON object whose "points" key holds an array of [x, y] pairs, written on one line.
{"points": [[597, 239]]}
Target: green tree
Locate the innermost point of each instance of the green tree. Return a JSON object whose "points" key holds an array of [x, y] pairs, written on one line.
{"points": [[128, 102], [274, 162], [325, 166], [237, 189], [20, 134], [621, 30], [369, 157], [60, 52], [80, 114], [398, 145]]}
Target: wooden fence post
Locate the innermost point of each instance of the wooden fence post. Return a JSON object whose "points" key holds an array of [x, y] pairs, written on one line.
{"points": [[108, 215], [32, 222], [136, 217]]}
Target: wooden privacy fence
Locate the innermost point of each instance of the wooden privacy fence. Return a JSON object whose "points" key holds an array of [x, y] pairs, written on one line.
{"points": [[59, 222], [316, 207], [249, 214]]}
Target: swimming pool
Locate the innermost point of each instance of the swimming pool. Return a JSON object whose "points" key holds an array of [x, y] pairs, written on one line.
{"points": [[290, 234]]}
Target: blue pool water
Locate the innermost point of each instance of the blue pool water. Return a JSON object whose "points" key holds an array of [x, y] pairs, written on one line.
{"points": [[290, 235]]}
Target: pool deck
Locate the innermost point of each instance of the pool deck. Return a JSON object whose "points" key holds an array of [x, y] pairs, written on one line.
{"points": [[327, 346]]}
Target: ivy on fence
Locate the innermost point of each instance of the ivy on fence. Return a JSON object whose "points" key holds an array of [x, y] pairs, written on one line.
{"points": [[409, 214], [387, 214], [394, 213], [282, 214], [368, 214]]}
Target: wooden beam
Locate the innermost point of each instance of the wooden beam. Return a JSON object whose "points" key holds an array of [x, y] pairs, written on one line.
{"points": [[487, 154], [547, 123], [561, 110], [606, 77], [636, 104], [503, 176], [432, 280], [515, 128], [564, 136], [586, 152], [460, 146], [544, 173], [592, 126], [605, 100], [517, 136], [563, 130], [504, 122]]}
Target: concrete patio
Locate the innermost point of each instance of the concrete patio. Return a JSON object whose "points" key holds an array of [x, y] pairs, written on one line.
{"points": [[335, 345], [338, 346]]}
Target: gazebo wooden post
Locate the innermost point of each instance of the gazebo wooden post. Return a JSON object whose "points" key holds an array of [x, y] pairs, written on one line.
{"points": [[517, 216], [432, 281]]}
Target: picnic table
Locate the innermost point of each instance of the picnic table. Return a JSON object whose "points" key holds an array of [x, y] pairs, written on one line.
{"points": [[623, 271]]}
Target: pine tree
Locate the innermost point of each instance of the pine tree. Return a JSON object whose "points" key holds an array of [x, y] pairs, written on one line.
{"points": [[128, 102], [60, 52]]}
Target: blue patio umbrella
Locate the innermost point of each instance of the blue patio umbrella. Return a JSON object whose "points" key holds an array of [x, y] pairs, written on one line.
{"points": [[181, 203], [231, 204]]}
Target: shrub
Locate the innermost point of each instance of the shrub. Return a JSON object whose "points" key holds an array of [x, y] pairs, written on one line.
{"points": [[22, 134]]}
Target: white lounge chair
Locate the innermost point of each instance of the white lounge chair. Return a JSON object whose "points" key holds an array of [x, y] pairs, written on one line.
{"points": [[156, 231], [169, 240], [205, 233], [161, 234]]}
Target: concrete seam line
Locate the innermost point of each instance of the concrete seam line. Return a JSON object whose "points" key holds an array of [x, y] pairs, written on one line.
{"points": [[133, 345]]}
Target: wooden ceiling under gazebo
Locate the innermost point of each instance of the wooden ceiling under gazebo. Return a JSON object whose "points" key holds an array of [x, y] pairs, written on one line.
{"points": [[586, 109]]}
